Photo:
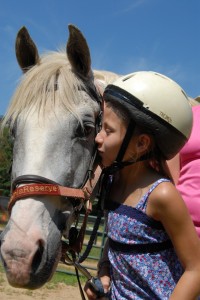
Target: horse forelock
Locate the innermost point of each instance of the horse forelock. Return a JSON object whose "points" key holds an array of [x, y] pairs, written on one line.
{"points": [[49, 82]]}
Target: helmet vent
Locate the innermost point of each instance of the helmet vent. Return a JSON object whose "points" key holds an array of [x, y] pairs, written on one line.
{"points": [[184, 94], [127, 77], [146, 106]]}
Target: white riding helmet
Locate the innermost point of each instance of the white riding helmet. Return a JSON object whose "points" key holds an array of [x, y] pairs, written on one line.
{"points": [[157, 103]]}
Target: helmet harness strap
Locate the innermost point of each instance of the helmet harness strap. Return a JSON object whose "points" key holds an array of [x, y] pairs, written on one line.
{"points": [[125, 142]]}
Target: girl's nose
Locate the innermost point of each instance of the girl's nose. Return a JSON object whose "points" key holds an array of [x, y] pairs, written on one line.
{"points": [[98, 138]]}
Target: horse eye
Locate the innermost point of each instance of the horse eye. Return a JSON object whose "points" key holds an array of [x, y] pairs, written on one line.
{"points": [[88, 130], [85, 130]]}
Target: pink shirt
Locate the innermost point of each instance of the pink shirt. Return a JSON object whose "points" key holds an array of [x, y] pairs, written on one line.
{"points": [[189, 180]]}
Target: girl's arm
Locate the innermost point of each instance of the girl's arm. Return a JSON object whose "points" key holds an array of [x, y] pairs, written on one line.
{"points": [[104, 268], [174, 168], [166, 205], [103, 273]]}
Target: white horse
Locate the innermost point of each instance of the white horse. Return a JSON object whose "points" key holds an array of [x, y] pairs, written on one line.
{"points": [[53, 119]]}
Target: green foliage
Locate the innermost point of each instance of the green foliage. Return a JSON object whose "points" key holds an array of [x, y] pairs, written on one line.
{"points": [[5, 161]]}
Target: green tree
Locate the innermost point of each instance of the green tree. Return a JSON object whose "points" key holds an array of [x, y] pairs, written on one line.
{"points": [[5, 160]]}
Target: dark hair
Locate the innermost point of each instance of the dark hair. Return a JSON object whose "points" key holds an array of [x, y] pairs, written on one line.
{"points": [[119, 110], [158, 163]]}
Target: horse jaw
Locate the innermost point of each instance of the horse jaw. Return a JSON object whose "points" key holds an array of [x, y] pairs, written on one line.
{"points": [[29, 253]]}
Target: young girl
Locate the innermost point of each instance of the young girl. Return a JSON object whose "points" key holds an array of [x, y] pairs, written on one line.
{"points": [[153, 251]]}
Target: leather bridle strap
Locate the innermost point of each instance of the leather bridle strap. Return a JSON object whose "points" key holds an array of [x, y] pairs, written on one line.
{"points": [[38, 185], [43, 189]]}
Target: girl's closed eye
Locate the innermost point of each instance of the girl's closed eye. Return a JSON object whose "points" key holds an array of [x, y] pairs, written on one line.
{"points": [[108, 131], [107, 128]]}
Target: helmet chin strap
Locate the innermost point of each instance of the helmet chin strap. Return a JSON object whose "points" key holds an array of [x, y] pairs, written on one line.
{"points": [[118, 163], [125, 143]]}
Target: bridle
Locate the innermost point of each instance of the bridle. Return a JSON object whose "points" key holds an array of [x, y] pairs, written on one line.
{"points": [[31, 185], [34, 185]]}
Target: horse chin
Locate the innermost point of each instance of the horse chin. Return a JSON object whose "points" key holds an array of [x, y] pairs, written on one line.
{"points": [[19, 277]]}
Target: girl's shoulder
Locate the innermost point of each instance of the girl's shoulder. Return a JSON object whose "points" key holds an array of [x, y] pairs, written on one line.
{"points": [[163, 197], [157, 183], [163, 191]]}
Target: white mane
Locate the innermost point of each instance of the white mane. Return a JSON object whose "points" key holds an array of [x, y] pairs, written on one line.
{"points": [[39, 85], [103, 78]]}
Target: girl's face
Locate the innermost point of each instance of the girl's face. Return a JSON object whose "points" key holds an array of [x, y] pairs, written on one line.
{"points": [[110, 138]]}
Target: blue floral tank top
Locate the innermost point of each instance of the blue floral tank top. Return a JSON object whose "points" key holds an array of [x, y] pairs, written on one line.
{"points": [[144, 264]]}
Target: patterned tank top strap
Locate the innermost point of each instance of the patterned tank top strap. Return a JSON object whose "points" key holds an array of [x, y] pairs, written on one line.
{"points": [[142, 204]]}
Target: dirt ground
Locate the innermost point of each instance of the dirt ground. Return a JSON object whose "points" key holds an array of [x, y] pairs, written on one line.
{"points": [[58, 292]]}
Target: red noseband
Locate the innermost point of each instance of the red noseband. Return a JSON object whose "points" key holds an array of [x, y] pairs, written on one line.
{"points": [[51, 189]]}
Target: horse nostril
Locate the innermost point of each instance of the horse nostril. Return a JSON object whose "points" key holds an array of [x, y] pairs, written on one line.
{"points": [[38, 256]]}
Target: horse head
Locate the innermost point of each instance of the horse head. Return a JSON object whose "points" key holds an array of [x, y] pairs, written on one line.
{"points": [[53, 120]]}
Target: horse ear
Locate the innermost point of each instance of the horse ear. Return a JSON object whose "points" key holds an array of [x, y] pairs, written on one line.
{"points": [[78, 52], [26, 50]]}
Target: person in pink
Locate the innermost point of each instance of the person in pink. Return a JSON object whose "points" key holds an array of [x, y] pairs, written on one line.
{"points": [[185, 170]]}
